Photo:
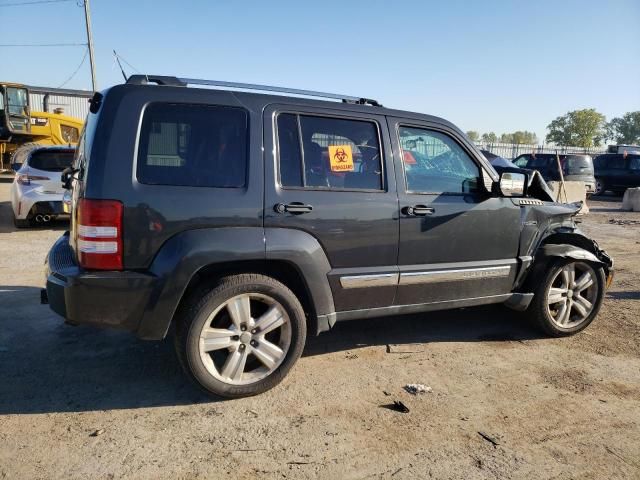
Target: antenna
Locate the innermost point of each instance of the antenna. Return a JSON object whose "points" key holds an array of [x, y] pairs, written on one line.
{"points": [[120, 65]]}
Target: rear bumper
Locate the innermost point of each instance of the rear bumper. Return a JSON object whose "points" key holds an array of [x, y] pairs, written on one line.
{"points": [[27, 203], [48, 208], [107, 299]]}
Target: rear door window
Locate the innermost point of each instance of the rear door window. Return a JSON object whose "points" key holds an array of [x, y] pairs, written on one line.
{"points": [[193, 145], [51, 160], [326, 152]]}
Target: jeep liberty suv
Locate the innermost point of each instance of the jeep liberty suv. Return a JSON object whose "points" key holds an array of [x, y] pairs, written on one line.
{"points": [[248, 221]]}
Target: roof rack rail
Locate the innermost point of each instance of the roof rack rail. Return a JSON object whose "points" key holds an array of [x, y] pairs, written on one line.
{"points": [[183, 82]]}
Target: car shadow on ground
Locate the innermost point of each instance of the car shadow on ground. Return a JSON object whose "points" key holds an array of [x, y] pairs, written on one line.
{"points": [[633, 295], [48, 366], [612, 203]]}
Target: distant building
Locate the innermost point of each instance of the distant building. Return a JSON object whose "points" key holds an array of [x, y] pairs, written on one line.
{"points": [[74, 103]]}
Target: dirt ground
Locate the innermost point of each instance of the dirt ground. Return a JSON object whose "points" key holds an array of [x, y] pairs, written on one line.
{"points": [[556, 408]]}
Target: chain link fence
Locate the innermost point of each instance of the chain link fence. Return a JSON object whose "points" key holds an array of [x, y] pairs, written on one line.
{"points": [[512, 150]]}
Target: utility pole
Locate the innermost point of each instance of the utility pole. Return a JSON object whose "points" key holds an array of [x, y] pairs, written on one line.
{"points": [[87, 18]]}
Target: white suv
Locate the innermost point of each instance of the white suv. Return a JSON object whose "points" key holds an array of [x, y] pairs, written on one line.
{"points": [[36, 193]]}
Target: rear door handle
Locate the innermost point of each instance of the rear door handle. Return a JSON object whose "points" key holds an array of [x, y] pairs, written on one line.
{"points": [[296, 208], [418, 211]]}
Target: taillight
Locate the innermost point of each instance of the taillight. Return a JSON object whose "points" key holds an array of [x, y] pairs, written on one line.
{"points": [[99, 231], [27, 179]]}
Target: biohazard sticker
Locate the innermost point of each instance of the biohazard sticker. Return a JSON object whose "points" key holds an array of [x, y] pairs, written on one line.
{"points": [[341, 158]]}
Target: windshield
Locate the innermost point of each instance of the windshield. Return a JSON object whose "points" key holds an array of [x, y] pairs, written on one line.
{"points": [[17, 101]]}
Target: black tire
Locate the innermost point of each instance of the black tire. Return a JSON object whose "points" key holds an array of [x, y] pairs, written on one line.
{"points": [[600, 187], [195, 313], [539, 312], [22, 223]]}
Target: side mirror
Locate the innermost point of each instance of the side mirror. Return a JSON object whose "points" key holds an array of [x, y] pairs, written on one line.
{"points": [[67, 177], [512, 184], [16, 166]]}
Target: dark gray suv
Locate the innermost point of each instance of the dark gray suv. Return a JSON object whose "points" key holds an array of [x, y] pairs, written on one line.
{"points": [[249, 221]]}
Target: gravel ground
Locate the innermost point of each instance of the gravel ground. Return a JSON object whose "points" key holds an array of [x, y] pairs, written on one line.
{"points": [[77, 402]]}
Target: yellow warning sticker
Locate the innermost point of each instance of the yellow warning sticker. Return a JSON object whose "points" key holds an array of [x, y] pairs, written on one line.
{"points": [[341, 158]]}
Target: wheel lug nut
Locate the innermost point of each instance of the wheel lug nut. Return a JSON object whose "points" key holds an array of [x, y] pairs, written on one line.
{"points": [[242, 346], [253, 343], [243, 328], [254, 331]]}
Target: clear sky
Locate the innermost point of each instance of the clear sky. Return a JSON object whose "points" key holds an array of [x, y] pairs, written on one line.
{"points": [[488, 66]]}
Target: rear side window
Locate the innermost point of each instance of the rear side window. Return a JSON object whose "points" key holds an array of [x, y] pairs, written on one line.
{"points": [[193, 145], [331, 153], [50, 160]]}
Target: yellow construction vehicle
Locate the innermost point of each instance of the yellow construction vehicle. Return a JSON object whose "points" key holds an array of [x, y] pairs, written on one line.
{"points": [[19, 125]]}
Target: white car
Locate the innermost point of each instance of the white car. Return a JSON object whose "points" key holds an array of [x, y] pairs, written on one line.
{"points": [[37, 191]]}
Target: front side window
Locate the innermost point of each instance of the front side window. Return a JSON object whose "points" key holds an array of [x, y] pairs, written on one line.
{"points": [[332, 153], [522, 161], [193, 145], [435, 163]]}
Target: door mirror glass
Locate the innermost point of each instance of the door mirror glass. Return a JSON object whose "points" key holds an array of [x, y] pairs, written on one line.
{"points": [[512, 184]]}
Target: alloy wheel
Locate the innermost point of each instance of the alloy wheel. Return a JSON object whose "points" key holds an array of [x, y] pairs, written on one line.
{"points": [[245, 339], [572, 295]]}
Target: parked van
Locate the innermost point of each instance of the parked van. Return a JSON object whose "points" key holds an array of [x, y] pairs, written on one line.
{"points": [[616, 172], [575, 167]]}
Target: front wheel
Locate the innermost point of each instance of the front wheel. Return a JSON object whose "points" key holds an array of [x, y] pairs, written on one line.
{"points": [[568, 298], [242, 337]]}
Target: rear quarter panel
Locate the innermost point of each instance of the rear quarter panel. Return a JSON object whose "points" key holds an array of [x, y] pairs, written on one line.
{"points": [[155, 213]]}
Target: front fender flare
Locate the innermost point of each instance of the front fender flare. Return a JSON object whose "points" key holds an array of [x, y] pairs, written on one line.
{"points": [[564, 250]]}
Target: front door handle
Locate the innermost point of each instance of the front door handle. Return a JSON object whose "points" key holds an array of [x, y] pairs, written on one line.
{"points": [[418, 211], [295, 208]]}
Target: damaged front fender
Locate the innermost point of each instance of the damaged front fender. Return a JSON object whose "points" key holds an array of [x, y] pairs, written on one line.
{"points": [[569, 251]]}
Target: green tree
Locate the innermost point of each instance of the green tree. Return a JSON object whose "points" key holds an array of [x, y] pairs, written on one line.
{"points": [[473, 135], [625, 129], [520, 137], [580, 128], [489, 137]]}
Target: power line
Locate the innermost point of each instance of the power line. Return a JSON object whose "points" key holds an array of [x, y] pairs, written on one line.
{"points": [[84, 57], [34, 2], [43, 45], [125, 62]]}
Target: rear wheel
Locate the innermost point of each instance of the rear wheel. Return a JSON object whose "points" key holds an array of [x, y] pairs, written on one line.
{"points": [[600, 187], [241, 337], [568, 298]]}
